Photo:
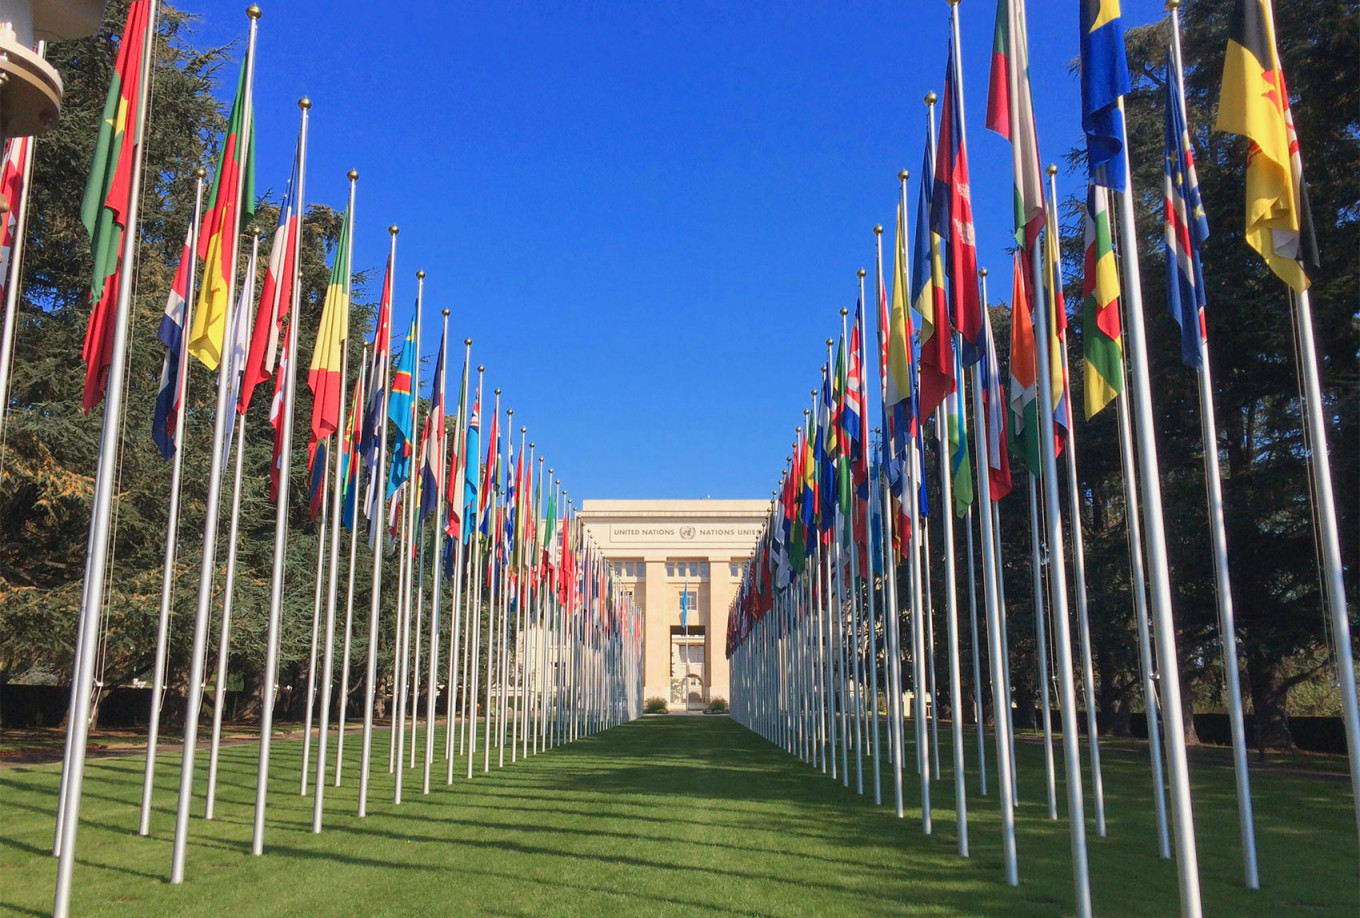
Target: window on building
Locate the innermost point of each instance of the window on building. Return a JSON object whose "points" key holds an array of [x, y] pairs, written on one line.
{"points": [[703, 569], [641, 569], [734, 570], [670, 568], [628, 568]]}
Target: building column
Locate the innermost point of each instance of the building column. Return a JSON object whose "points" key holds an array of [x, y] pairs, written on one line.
{"points": [[656, 634]]}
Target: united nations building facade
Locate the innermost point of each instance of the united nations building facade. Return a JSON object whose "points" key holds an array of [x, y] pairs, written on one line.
{"points": [[683, 560]]}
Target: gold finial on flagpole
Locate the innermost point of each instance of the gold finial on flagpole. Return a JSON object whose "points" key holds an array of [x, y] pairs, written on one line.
{"points": [[861, 272], [393, 229], [982, 272], [199, 172], [931, 98], [1052, 169], [254, 11], [903, 175], [844, 312], [304, 103], [446, 313], [353, 175], [878, 229], [1173, 5]]}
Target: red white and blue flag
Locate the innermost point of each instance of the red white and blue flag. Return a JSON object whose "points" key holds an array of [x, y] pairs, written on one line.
{"points": [[171, 334], [951, 218], [432, 442], [277, 294], [1185, 225]]}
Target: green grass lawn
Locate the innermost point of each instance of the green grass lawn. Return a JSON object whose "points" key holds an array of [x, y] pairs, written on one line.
{"points": [[665, 816]]}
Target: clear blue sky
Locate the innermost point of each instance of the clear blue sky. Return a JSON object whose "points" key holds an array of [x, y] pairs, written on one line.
{"points": [[645, 215]]}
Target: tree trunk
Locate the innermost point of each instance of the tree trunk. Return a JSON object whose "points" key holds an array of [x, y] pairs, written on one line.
{"points": [[1270, 702]]}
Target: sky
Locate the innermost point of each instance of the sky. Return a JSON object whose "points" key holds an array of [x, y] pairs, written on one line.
{"points": [[647, 216]]}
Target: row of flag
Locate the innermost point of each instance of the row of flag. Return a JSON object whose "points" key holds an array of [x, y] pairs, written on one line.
{"points": [[509, 562], [850, 525]]}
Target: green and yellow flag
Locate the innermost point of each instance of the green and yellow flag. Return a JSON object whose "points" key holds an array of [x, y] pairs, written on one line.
{"points": [[323, 376], [104, 207], [221, 229], [1103, 349]]}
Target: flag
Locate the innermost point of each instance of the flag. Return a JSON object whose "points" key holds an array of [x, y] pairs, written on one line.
{"points": [[237, 342], [490, 472], [316, 491], [1024, 389], [684, 608], [1010, 113], [472, 469], [276, 296], [276, 421], [104, 208], [936, 368], [401, 407], [432, 456], [1057, 327], [171, 334], [957, 435], [349, 458], [13, 183], [899, 369], [222, 224], [951, 218], [1185, 225], [994, 419], [829, 452], [1104, 79], [853, 419], [453, 494], [1254, 103], [1102, 347], [375, 389], [323, 377]]}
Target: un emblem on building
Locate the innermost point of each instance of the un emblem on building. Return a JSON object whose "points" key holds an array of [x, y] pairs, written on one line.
{"points": [[686, 532]]}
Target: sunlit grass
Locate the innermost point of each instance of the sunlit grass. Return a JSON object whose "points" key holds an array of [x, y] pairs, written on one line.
{"points": [[667, 816]]}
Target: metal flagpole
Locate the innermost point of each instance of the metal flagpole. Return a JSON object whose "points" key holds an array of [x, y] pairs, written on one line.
{"points": [[1067, 694], [1005, 651], [337, 510], [996, 626], [271, 667], [1150, 702], [416, 498], [172, 524], [229, 587], [928, 639], [846, 527], [1079, 578], [1219, 541], [207, 568], [96, 565], [408, 559], [918, 674], [455, 499], [493, 570], [378, 520], [397, 719], [1041, 644], [977, 661], [868, 531], [14, 277], [437, 585], [343, 701], [952, 617], [316, 623], [471, 664]]}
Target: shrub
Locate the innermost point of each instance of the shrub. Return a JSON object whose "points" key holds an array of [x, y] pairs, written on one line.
{"points": [[655, 706], [717, 706]]}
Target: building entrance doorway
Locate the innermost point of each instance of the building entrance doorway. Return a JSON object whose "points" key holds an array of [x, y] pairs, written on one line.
{"points": [[688, 669]]}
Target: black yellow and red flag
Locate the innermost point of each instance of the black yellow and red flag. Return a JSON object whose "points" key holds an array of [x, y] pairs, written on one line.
{"points": [[1254, 103]]}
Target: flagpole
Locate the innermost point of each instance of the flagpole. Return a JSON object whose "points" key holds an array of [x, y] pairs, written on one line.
{"points": [[407, 548], [437, 587], [378, 521], [316, 624], [492, 572], [1079, 579], [1005, 651], [952, 616], [343, 701], [271, 667], [917, 630], [977, 661], [207, 568], [14, 277], [172, 524], [457, 599], [417, 496], [96, 565], [1138, 579], [229, 587], [337, 510], [1067, 694], [1041, 642], [471, 667], [1182, 816], [1217, 528], [890, 513]]}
